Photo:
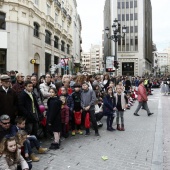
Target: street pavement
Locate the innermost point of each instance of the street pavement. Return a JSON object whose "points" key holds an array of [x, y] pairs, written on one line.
{"points": [[144, 145]]}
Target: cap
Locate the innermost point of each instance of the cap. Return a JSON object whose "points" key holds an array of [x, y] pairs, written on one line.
{"points": [[4, 77]]}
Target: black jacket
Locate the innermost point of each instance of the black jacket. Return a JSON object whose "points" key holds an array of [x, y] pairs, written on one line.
{"points": [[25, 108]]}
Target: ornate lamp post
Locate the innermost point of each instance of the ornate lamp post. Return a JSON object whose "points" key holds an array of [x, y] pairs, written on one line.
{"points": [[116, 35]]}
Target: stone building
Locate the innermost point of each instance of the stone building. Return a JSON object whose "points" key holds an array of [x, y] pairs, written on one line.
{"points": [[43, 30]]}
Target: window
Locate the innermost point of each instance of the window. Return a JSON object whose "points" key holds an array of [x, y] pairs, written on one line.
{"points": [[135, 16], [118, 5], [131, 29], [36, 29], [135, 4], [48, 9], [56, 40], [136, 29], [56, 61], [2, 21], [123, 5], [48, 37], [47, 62], [68, 49], [127, 29], [131, 41], [123, 17], [62, 46], [131, 16], [131, 4], [36, 2], [127, 4], [119, 17], [127, 17], [2, 60]]}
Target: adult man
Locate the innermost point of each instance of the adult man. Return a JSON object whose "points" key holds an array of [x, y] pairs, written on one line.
{"points": [[142, 98], [8, 98], [5, 126], [18, 87], [44, 88], [88, 99]]}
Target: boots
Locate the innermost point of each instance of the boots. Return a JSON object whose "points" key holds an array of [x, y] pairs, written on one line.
{"points": [[118, 127], [42, 150], [54, 146], [122, 127], [34, 158]]}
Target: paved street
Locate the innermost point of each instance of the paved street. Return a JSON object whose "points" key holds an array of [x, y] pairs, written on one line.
{"points": [[143, 146]]}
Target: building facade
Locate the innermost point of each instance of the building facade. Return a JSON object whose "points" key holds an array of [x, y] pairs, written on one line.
{"points": [[135, 50], [92, 61], [40, 30]]}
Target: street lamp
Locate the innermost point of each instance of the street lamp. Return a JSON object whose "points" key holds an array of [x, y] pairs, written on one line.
{"points": [[116, 34]]}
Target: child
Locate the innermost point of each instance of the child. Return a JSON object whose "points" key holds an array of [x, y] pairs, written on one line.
{"points": [[64, 117], [77, 108], [10, 155], [20, 125], [54, 117], [99, 113], [121, 105], [109, 107]]}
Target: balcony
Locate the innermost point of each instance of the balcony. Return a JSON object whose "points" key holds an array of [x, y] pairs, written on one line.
{"points": [[80, 40], [81, 49], [69, 18], [64, 12], [1, 2], [64, 33], [57, 5], [69, 37], [58, 28], [50, 20]]}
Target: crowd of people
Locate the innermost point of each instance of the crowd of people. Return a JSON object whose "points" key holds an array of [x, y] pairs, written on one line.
{"points": [[61, 106]]}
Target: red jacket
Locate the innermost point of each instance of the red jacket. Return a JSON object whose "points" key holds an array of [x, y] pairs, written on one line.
{"points": [[65, 114], [142, 95]]}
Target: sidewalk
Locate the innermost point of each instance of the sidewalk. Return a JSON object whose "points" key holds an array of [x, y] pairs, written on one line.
{"points": [[129, 150]]}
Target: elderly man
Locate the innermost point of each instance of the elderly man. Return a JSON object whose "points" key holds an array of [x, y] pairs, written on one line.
{"points": [[5, 126], [18, 87], [8, 98]]}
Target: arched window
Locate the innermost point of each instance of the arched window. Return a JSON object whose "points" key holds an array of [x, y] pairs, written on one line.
{"points": [[62, 46], [68, 49], [2, 21], [48, 37], [36, 29], [56, 41]]}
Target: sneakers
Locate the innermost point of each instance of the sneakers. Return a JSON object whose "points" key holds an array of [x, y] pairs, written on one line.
{"points": [[97, 134], [80, 132], [34, 158], [54, 146], [135, 114], [28, 160], [42, 150], [73, 133], [149, 114]]}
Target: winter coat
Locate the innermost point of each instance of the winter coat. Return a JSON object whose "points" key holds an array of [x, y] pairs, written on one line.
{"points": [[142, 94], [108, 104], [25, 108], [9, 164], [65, 114], [18, 87], [8, 103], [5, 132], [44, 88]]}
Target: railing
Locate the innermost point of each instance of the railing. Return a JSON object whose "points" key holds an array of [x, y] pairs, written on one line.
{"points": [[69, 17], [57, 3], [64, 11]]}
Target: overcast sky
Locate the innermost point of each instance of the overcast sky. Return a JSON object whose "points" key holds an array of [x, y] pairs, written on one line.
{"points": [[91, 14]]}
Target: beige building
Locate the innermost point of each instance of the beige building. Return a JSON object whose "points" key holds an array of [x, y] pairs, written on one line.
{"points": [[92, 61], [134, 52], [43, 30]]}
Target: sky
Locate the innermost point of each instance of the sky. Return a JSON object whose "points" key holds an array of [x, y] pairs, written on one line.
{"points": [[91, 14]]}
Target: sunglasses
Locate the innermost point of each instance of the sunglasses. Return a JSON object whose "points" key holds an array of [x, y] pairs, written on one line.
{"points": [[5, 123]]}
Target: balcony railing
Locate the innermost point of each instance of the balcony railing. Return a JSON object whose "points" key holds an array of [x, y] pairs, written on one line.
{"points": [[58, 27], [57, 4], [64, 12], [69, 17]]}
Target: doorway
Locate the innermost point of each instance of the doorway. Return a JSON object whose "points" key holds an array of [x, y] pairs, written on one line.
{"points": [[36, 68]]}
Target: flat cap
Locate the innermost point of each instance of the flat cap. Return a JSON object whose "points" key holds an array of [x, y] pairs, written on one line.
{"points": [[4, 77]]}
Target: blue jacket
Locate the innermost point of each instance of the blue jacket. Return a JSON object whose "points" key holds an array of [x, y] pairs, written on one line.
{"points": [[108, 105]]}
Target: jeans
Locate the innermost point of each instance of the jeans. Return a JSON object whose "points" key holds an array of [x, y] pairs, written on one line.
{"points": [[99, 116], [120, 114], [27, 147], [33, 141], [32, 128], [110, 118], [145, 106]]}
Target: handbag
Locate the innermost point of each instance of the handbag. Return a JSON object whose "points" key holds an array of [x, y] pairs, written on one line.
{"points": [[87, 120], [77, 117]]}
